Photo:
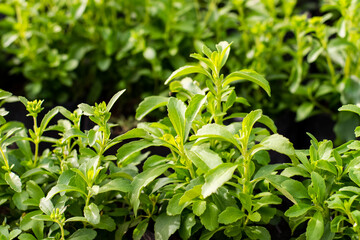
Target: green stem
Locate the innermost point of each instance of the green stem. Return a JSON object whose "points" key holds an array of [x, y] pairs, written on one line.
{"points": [[61, 230], [36, 142], [218, 119], [331, 69]]}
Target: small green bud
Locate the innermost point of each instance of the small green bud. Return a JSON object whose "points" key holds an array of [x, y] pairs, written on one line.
{"points": [[34, 107]]}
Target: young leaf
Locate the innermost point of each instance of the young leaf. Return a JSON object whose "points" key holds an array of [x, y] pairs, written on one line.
{"points": [[47, 118], [319, 186], [176, 111], [250, 75], [350, 108], [63, 188], [224, 50], [149, 104], [92, 214], [298, 210], [315, 227], [216, 131], [187, 70], [278, 143], [230, 215], [192, 111], [217, 177], [87, 109], [118, 184], [175, 207], [165, 226], [190, 194], [113, 100]]}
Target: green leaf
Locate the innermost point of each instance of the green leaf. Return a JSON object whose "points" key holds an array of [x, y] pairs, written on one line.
{"points": [[7, 9], [354, 175], [8, 38], [304, 111], [314, 53], [350, 108], [190, 194], [250, 75], [203, 157], [176, 112], [257, 233], [142, 180], [298, 210], [210, 217], [230, 215], [127, 150], [224, 50], [114, 99], [118, 184], [26, 236], [279, 144], [188, 222], [268, 122], [103, 63], [187, 70], [71, 64], [315, 227], [47, 118], [165, 226], [199, 207], [63, 188], [336, 223], [247, 125], [140, 229], [319, 186], [83, 233], [290, 188], [92, 214], [216, 131], [149, 104], [26, 221], [13, 180], [87, 109], [42, 218], [14, 233], [106, 223], [19, 200], [46, 206], [175, 207], [192, 111], [217, 177], [34, 190]]}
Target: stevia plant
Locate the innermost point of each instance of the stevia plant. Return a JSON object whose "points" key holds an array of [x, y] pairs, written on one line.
{"points": [[213, 178], [72, 184], [325, 199]]}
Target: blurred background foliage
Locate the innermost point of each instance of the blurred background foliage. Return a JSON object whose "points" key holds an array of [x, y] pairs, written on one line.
{"points": [[69, 51]]}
